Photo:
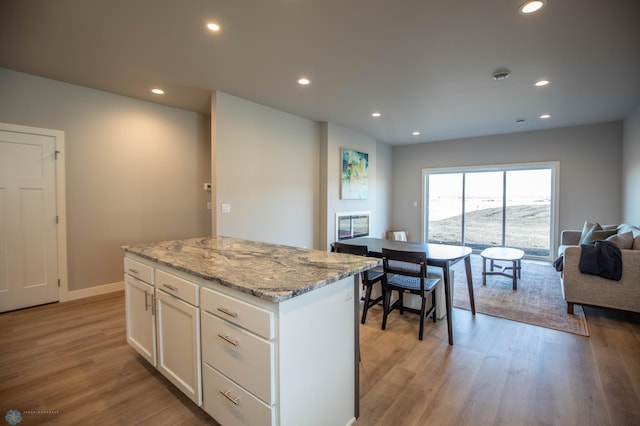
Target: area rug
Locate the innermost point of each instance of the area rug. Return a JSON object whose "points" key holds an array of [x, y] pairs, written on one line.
{"points": [[538, 299]]}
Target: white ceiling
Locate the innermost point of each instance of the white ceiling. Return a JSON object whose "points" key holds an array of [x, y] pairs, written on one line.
{"points": [[424, 65]]}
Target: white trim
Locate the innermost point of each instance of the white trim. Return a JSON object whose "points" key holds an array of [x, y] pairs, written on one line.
{"points": [[61, 202], [94, 291]]}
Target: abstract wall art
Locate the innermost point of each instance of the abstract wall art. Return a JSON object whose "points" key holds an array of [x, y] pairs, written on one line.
{"points": [[355, 175]]}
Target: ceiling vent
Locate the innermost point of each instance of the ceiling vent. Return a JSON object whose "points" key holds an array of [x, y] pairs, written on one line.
{"points": [[501, 75]]}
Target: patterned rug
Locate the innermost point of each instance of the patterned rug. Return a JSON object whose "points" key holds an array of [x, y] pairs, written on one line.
{"points": [[538, 299]]}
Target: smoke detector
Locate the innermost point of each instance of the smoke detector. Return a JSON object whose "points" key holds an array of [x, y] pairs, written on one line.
{"points": [[501, 75]]}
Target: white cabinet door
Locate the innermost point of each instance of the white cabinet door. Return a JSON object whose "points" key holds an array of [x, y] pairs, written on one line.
{"points": [[178, 325], [141, 328]]}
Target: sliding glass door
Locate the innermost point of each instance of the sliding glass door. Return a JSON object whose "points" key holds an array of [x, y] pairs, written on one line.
{"points": [[499, 206]]}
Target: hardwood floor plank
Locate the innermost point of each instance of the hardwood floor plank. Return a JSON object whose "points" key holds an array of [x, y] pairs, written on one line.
{"points": [[70, 364]]}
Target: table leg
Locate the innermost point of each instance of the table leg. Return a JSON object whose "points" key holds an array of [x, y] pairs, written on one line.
{"points": [[357, 355], [472, 299], [447, 301], [515, 274], [484, 270]]}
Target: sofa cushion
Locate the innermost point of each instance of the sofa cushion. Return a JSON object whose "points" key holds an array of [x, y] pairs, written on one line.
{"points": [[596, 233], [623, 241]]}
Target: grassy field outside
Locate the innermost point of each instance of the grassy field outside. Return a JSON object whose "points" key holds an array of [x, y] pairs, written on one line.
{"points": [[527, 228]]}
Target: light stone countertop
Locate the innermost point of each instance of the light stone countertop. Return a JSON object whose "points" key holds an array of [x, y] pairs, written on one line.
{"points": [[269, 271]]}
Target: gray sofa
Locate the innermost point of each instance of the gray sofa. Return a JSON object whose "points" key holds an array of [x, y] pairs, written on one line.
{"points": [[594, 290]]}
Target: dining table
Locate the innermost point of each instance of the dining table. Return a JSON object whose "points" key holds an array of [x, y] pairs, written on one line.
{"points": [[438, 255]]}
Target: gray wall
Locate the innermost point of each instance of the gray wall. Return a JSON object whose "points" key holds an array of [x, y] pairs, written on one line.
{"points": [[631, 168], [134, 169], [267, 169], [336, 137], [280, 174], [590, 176]]}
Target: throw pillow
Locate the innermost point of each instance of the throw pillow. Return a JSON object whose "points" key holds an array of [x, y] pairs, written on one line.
{"points": [[623, 241], [586, 228], [635, 231], [596, 233]]}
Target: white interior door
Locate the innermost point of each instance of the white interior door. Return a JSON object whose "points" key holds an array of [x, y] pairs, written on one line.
{"points": [[28, 240]]}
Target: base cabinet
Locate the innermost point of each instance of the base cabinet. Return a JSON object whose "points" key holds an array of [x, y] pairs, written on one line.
{"points": [[246, 360], [287, 363], [163, 323], [141, 326], [230, 404], [178, 325]]}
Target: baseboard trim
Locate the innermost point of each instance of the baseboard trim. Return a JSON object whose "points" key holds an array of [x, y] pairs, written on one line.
{"points": [[94, 291]]}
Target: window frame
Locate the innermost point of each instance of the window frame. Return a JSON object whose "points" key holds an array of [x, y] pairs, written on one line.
{"points": [[554, 166]]}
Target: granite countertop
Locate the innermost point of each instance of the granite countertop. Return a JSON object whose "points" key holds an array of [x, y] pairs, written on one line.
{"points": [[268, 271]]}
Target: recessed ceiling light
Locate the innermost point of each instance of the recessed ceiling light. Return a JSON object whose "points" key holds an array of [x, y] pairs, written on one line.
{"points": [[304, 81], [544, 116], [376, 114], [157, 91], [416, 133], [213, 26], [531, 6], [541, 83]]}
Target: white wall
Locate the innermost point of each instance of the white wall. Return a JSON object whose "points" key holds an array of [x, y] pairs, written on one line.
{"points": [[134, 169], [267, 169], [336, 137], [589, 156], [631, 168]]}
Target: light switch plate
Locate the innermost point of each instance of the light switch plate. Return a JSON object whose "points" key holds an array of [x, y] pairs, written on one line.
{"points": [[226, 208]]}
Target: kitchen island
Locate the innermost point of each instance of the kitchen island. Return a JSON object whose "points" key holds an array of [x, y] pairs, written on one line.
{"points": [[255, 333]]}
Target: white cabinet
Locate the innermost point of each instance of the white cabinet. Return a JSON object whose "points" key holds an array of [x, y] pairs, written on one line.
{"points": [[238, 361], [287, 363], [163, 323], [141, 328], [179, 343], [243, 359]]}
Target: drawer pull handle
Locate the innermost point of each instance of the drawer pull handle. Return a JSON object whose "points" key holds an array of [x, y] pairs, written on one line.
{"points": [[227, 394], [146, 303], [134, 271], [228, 340], [228, 312], [170, 287]]}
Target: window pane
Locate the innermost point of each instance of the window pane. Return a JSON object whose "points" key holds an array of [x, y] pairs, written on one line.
{"points": [[528, 214], [483, 209], [445, 208]]}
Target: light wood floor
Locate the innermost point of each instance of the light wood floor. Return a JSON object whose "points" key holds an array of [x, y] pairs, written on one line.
{"points": [[69, 364]]}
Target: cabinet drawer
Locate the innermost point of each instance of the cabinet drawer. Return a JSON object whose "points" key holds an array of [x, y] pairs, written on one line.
{"points": [[231, 405], [241, 356], [177, 286], [246, 315], [139, 270]]}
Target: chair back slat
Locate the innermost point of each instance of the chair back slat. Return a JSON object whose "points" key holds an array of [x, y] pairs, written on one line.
{"points": [[404, 263], [350, 249]]}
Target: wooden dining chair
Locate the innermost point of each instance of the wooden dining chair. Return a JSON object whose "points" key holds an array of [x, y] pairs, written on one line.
{"points": [[369, 278], [406, 272]]}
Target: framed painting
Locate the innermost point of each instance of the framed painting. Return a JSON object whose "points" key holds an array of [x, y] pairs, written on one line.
{"points": [[355, 175]]}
